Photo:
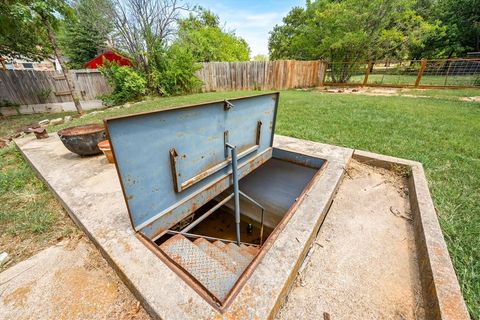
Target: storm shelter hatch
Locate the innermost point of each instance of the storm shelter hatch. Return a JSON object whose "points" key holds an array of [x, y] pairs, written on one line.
{"points": [[206, 190]]}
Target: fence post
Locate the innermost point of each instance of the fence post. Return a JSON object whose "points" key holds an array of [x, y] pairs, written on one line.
{"points": [[322, 70], [448, 71], [325, 68], [367, 72], [423, 65]]}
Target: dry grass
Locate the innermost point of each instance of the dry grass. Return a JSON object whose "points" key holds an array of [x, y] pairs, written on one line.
{"points": [[31, 219]]}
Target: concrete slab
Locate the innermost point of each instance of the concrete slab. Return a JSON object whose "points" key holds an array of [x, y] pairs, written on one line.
{"points": [[67, 281], [89, 189]]}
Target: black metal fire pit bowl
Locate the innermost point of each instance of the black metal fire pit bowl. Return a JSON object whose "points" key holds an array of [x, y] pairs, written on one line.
{"points": [[83, 140]]}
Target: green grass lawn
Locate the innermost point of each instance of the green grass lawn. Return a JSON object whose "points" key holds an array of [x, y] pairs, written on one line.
{"points": [[440, 131]]}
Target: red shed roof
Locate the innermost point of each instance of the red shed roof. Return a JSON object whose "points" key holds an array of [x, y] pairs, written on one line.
{"points": [[110, 56]]}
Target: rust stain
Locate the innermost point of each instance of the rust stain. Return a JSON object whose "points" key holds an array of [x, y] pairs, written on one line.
{"points": [[438, 251], [18, 297], [194, 207], [80, 130], [126, 246], [241, 309], [82, 294], [101, 233]]}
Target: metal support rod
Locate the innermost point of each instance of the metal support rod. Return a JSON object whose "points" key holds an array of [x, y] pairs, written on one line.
{"points": [[206, 214], [246, 196], [236, 192], [261, 227]]}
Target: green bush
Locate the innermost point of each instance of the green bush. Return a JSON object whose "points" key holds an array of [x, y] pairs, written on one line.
{"points": [[127, 84], [173, 72]]}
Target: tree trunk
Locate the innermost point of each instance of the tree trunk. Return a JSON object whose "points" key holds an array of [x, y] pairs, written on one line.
{"points": [[71, 86]]}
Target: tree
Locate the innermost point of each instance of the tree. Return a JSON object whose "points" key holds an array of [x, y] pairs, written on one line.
{"points": [[462, 19], [202, 35], [19, 37], [460, 22], [348, 31], [87, 32], [260, 57], [142, 26], [43, 17]]}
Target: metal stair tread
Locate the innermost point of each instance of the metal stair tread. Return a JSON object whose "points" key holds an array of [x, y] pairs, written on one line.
{"points": [[251, 249], [238, 249], [218, 254], [219, 244], [235, 253], [247, 251], [207, 270]]}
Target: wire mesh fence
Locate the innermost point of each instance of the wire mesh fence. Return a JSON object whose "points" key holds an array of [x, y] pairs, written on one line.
{"points": [[409, 73], [394, 72], [345, 72], [452, 73]]}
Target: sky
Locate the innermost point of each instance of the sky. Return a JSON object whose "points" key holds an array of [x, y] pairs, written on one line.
{"points": [[251, 20]]}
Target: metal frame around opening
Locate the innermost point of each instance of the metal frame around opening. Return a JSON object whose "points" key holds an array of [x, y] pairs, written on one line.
{"points": [[222, 306]]}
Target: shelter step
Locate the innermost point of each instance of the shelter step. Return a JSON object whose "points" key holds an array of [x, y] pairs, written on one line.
{"points": [[220, 256], [217, 266], [219, 244], [208, 271], [251, 249], [234, 252]]}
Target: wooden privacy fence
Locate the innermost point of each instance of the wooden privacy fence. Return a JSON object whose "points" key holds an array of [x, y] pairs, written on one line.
{"points": [[260, 75], [27, 87]]}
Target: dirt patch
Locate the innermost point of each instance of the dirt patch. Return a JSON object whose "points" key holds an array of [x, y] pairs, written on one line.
{"points": [[376, 91], [364, 264], [369, 91], [471, 99], [67, 281]]}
